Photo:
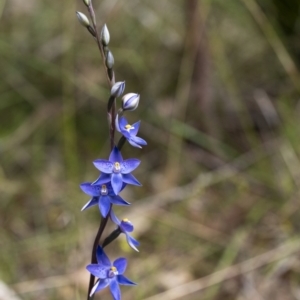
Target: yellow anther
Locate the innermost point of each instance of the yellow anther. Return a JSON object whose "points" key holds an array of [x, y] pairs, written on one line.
{"points": [[125, 220], [114, 269], [128, 126]]}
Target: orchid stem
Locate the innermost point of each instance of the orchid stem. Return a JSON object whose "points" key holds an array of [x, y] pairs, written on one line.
{"points": [[111, 124], [94, 257]]}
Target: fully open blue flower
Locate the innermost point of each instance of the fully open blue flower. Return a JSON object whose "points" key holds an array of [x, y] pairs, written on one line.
{"points": [[116, 170], [109, 274], [130, 132], [103, 195], [125, 226]]}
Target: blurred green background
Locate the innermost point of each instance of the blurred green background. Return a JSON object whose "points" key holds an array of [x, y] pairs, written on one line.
{"points": [[218, 213]]}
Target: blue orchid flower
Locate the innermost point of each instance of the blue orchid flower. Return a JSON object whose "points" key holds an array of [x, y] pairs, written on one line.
{"points": [[116, 170], [125, 226], [130, 132], [103, 195], [109, 274]]}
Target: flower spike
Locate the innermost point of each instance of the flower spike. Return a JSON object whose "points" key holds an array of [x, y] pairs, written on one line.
{"points": [[115, 171]]}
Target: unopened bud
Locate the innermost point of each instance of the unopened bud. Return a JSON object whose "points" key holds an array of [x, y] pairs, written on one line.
{"points": [[109, 60], [87, 2], [104, 35], [82, 18], [130, 101], [118, 89]]}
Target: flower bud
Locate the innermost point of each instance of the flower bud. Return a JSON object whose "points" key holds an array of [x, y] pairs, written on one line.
{"points": [[82, 18], [109, 60], [130, 101], [87, 2], [118, 89], [104, 35]]}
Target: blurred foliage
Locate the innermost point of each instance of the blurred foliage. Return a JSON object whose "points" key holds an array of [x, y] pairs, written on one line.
{"points": [[219, 83]]}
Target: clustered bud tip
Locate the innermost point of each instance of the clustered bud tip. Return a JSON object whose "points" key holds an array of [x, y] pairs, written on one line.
{"points": [[130, 101], [82, 18], [118, 89], [104, 35]]}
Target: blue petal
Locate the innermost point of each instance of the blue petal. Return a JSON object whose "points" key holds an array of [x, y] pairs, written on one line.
{"points": [[126, 226], [104, 205], [100, 284], [130, 179], [135, 129], [110, 189], [120, 264], [115, 289], [132, 242], [103, 178], [102, 258], [126, 134], [89, 189], [132, 143], [138, 140], [129, 165], [114, 218], [97, 270], [125, 281], [92, 202], [115, 155], [116, 182], [104, 165], [117, 200], [123, 122]]}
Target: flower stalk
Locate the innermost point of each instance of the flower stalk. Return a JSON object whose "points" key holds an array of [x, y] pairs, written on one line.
{"points": [[115, 172]]}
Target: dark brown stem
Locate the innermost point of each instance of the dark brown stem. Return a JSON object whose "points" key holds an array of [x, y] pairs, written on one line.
{"points": [[111, 123], [111, 115], [94, 257]]}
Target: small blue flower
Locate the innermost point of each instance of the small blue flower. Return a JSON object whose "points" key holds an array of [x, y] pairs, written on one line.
{"points": [[116, 170], [125, 226], [109, 274], [130, 132], [103, 195]]}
